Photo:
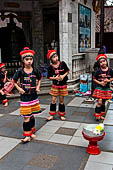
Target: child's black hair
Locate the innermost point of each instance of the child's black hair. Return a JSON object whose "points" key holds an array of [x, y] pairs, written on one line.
{"points": [[96, 66]]}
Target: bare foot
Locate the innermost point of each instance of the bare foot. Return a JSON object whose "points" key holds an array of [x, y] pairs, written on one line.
{"points": [[63, 118], [26, 139], [6, 104], [102, 117], [33, 136], [50, 118]]}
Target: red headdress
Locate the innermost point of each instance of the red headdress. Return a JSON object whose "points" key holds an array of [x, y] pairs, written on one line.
{"points": [[101, 56], [26, 52], [2, 65], [50, 53]]}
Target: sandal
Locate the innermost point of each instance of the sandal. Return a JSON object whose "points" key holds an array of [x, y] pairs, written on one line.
{"points": [[49, 118]]}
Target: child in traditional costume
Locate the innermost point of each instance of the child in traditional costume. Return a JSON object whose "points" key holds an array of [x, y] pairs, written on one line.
{"points": [[57, 72], [29, 99], [103, 76], [3, 78]]}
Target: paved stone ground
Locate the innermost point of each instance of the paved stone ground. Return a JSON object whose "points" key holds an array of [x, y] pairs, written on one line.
{"points": [[59, 145]]}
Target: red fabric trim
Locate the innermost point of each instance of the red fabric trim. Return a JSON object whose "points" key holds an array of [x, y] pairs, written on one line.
{"points": [[61, 113], [52, 113], [100, 97], [97, 115], [27, 134], [103, 91], [33, 129], [59, 87], [5, 101]]}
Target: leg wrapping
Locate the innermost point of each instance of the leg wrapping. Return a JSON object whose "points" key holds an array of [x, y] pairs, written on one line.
{"points": [[52, 109], [103, 109], [61, 109], [27, 129], [4, 100], [97, 112], [32, 120]]}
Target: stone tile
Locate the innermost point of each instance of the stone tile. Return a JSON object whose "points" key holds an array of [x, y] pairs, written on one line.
{"points": [[82, 125], [68, 124], [108, 129], [49, 129], [7, 144], [108, 136], [44, 105], [43, 136], [104, 157], [78, 133], [108, 122], [29, 167], [88, 105], [76, 101], [78, 114], [111, 106], [57, 123], [16, 160], [16, 112], [78, 141], [106, 145], [56, 138], [65, 131], [110, 112], [109, 117], [97, 166]]}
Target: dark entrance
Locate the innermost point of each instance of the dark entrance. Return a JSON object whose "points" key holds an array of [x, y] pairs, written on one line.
{"points": [[108, 37], [12, 40], [51, 30]]}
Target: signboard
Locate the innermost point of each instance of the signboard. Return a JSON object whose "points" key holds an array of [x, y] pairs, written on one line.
{"points": [[84, 24]]}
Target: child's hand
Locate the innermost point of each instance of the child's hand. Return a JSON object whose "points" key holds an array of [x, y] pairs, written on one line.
{"points": [[38, 89], [103, 83], [62, 77], [58, 78], [106, 80], [21, 91], [5, 72]]}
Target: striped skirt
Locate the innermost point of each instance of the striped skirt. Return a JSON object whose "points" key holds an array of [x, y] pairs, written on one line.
{"points": [[102, 93], [59, 90], [29, 108]]}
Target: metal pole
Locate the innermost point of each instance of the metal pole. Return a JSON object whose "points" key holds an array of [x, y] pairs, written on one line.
{"points": [[102, 27]]}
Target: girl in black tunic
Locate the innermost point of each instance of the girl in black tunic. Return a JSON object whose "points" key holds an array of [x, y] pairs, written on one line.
{"points": [[57, 72], [102, 77], [29, 99]]}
